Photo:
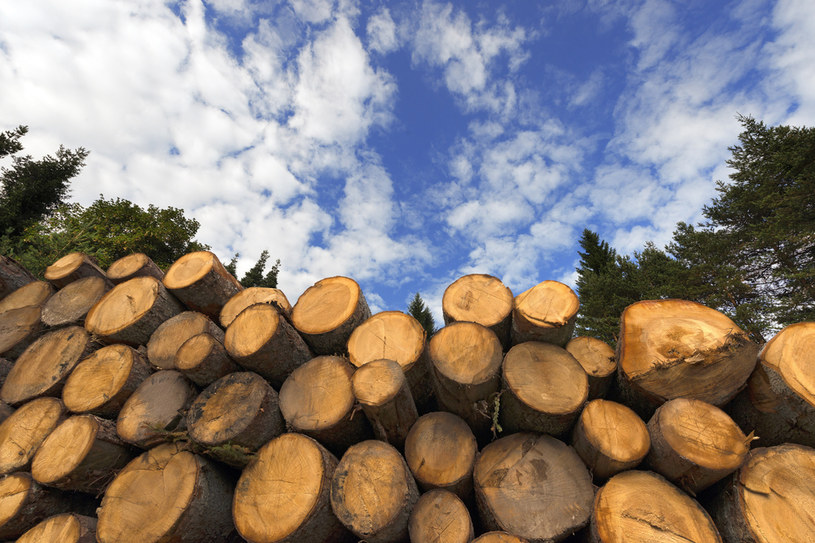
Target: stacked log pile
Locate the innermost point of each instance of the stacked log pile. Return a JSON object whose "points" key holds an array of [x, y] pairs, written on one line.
{"points": [[144, 406]]}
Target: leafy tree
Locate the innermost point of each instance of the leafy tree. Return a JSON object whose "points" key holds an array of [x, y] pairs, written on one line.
{"points": [[419, 311], [255, 276]]}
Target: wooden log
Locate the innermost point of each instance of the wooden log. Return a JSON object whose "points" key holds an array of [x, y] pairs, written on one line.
{"points": [[317, 400], [83, 453], [34, 293], [63, 528], [71, 303], [283, 496], [545, 312], [544, 389], [465, 359], [167, 494], [381, 389], [327, 312], [5, 369], [680, 349], [250, 296], [235, 416], [12, 276], [135, 265], [533, 486], [172, 333], [440, 451], [610, 438], [72, 267], [201, 282], [373, 472], [770, 498], [396, 336], [131, 311], [598, 361], [203, 359], [499, 537], [155, 408], [440, 517], [5, 410], [19, 328], [260, 340], [694, 444], [101, 383], [23, 432], [481, 299], [43, 368], [24, 504]]}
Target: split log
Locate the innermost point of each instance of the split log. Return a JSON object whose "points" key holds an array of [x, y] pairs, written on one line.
{"points": [[465, 358], [167, 494], [533, 486], [545, 312], [771, 498], [72, 267], [43, 368], [250, 296], [235, 416], [598, 361], [544, 389], [327, 312], [381, 389], [101, 383], [172, 333], [64, 528], [201, 282], [13, 276], [19, 328], [694, 444], [396, 336], [83, 453], [71, 303], [204, 360], [34, 293], [499, 537], [135, 265], [259, 339], [131, 311], [155, 408], [22, 433], [24, 504], [283, 496], [440, 517], [317, 400], [440, 450], [482, 299], [680, 349], [373, 472], [642, 507]]}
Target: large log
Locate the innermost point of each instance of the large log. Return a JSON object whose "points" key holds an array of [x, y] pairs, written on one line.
{"points": [[482, 299], [34, 293], [22, 433], [440, 517], [327, 312], [172, 333], [201, 282], [24, 503], [250, 296], [71, 267], [19, 327], [63, 528], [545, 312], [598, 361], [381, 389], [135, 265], [71, 303], [5, 409], [533, 486], [499, 537], [204, 360], [12, 276]]}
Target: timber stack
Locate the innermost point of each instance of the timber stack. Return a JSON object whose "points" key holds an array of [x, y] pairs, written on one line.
{"points": [[146, 405]]}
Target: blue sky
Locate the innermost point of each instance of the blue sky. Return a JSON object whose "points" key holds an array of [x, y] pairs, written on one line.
{"points": [[406, 144]]}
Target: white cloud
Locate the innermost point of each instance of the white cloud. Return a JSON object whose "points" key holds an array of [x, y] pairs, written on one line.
{"points": [[381, 32], [791, 56], [313, 11]]}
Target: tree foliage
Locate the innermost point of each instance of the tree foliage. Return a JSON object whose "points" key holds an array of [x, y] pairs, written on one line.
{"points": [[256, 277], [419, 311]]}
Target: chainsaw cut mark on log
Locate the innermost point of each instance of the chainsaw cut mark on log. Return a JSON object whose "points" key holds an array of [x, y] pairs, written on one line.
{"points": [[251, 296], [477, 298], [389, 334], [22, 433]]}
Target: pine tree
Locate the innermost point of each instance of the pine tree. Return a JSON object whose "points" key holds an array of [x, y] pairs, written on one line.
{"points": [[419, 311], [255, 277]]}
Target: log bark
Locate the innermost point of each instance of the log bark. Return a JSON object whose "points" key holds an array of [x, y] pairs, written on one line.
{"points": [[71, 303], [204, 360], [83, 453], [131, 311], [172, 333], [260, 340], [24, 504], [235, 416], [13, 276], [155, 408], [499, 537], [440, 451], [598, 361], [482, 299], [610, 438], [167, 494], [101, 383], [5, 410], [63, 528], [381, 389], [545, 312], [19, 328], [250, 296], [533, 486], [680, 349], [43, 368], [201, 282], [396, 336], [317, 400], [373, 472], [465, 359], [135, 265], [327, 312], [34, 293], [23, 433], [440, 517], [544, 389], [72, 267]]}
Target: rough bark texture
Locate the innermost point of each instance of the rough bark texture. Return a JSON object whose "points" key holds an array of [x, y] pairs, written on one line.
{"points": [[12, 276], [545, 312], [250, 296], [481, 299], [72, 267], [34, 293], [201, 282], [204, 360], [64, 528], [135, 265], [440, 517], [24, 503], [172, 333], [22, 433], [598, 361], [5, 409], [73, 301], [19, 327]]}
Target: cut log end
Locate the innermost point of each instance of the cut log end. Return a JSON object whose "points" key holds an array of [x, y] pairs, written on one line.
{"points": [[598, 361], [63, 528], [73, 301], [135, 265], [24, 431], [71, 267], [251, 296], [545, 312], [326, 305], [438, 516], [482, 299], [200, 281]]}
